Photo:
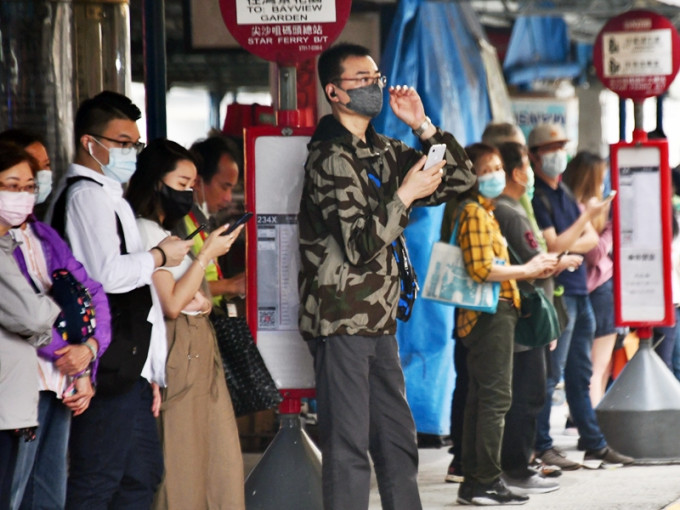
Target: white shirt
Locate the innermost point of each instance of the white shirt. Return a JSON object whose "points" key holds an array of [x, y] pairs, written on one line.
{"points": [[92, 232], [152, 233]]}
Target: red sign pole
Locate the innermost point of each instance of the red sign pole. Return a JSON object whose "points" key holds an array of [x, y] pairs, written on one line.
{"points": [[636, 55]]}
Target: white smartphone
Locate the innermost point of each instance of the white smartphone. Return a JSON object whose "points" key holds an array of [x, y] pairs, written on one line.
{"points": [[435, 155]]}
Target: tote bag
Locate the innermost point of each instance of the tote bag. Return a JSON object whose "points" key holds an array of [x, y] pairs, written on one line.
{"points": [[448, 281]]}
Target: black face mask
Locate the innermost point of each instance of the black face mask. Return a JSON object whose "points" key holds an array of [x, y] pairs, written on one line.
{"points": [[176, 205]]}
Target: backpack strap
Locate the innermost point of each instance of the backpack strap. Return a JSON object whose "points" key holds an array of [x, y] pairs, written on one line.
{"points": [[59, 212]]}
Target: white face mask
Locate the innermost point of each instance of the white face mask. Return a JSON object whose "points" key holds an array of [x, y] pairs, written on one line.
{"points": [[553, 164], [122, 163], [44, 181], [15, 207]]}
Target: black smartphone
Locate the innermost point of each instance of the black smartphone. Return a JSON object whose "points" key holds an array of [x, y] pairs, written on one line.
{"points": [[238, 222], [193, 234]]}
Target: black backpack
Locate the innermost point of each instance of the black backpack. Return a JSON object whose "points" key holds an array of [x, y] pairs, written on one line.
{"points": [[121, 364]]}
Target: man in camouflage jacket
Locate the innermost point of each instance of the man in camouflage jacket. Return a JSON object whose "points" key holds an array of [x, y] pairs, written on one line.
{"points": [[358, 190]]}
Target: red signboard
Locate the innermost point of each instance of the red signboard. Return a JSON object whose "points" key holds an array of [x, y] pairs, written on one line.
{"points": [[285, 31], [636, 54], [641, 213]]}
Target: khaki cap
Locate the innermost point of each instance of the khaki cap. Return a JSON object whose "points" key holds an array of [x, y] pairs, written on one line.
{"points": [[544, 134]]}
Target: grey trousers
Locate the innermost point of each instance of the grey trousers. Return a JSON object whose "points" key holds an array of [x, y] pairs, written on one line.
{"points": [[362, 408], [489, 363]]}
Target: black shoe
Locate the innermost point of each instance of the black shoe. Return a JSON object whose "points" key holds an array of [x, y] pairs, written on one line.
{"points": [[465, 493], [496, 493]]}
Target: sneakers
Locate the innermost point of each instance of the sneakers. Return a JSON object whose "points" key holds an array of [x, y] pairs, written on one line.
{"points": [[465, 493], [608, 456], [555, 457], [454, 473], [543, 469], [533, 484], [495, 493]]}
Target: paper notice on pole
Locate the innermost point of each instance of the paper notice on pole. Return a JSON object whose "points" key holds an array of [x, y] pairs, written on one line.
{"points": [[639, 53], [641, 251], [277, 266]]}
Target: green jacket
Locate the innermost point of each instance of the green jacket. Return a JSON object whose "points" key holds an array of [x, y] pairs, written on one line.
{"points": [[349, 216]]}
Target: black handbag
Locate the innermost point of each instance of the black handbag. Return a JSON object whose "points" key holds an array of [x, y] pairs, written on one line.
{"points": [[250, 384]]}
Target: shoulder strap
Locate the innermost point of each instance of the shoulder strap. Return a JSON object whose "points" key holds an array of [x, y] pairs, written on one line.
{"points": [[459, 213], [59, 212]]}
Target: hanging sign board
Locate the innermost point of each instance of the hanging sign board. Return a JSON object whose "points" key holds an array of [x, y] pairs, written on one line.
{"points": [[285, 31], [642, 234], [636, 54], [274, 170]]}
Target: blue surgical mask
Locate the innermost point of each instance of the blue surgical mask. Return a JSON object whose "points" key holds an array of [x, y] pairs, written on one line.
{"points": [[492, 184], [44, 181], [122, 163], [531, 181], [553, 164]]}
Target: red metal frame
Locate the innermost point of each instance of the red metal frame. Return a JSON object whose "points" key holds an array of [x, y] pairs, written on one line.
{"points": [[292, 396], [640, 140]]}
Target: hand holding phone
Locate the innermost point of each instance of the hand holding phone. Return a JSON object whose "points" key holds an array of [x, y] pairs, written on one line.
{"points": [[237, 223], [200, 228], [611, 195], [435, 155]]}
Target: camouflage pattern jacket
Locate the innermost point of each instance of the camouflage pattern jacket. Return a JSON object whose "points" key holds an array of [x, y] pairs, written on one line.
{"points": [[349, 215]]}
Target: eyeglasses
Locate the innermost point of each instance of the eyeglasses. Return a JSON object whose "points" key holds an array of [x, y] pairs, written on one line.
{"points": [[15, 188], [365, 81], [125, 145]]}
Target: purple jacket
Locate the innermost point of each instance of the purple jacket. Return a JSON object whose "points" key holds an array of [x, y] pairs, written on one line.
{"points": [[57, 256]]}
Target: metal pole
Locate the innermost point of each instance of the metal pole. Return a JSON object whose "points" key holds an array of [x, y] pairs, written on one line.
{"points": [[155, 68], [287, 88], [215, 100], [622, 119]]}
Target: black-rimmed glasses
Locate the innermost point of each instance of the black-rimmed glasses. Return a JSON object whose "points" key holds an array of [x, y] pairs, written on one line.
{"points": [[125, 145], [365, 81]]}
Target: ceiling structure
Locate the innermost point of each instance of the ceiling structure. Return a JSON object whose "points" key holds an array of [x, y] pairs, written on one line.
{"points": [[584, 17], [233, 70]]}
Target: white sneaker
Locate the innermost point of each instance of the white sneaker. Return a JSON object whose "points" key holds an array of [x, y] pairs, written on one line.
{"points": [[535, 484]]}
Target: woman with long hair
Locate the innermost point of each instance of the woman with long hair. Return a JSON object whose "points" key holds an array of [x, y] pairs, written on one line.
{"points": [[584, 176], [203, 463]]}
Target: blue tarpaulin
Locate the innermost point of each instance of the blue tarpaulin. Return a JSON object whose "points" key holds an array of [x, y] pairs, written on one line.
{"points": [[539, 49], [433, 47]]}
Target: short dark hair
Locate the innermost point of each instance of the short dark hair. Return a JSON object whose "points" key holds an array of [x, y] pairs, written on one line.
{"points": [[159, 158], [12, 154], [512, 154], [21, 137], [477, 150], [207, 154], [95, 113], [330, 62]]}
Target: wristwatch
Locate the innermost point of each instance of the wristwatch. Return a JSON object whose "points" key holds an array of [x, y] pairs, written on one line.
{"points": [[423, 127]]}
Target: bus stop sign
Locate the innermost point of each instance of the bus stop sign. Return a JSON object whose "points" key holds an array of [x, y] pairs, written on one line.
{"points": [[285, 31], [636, 54]]}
